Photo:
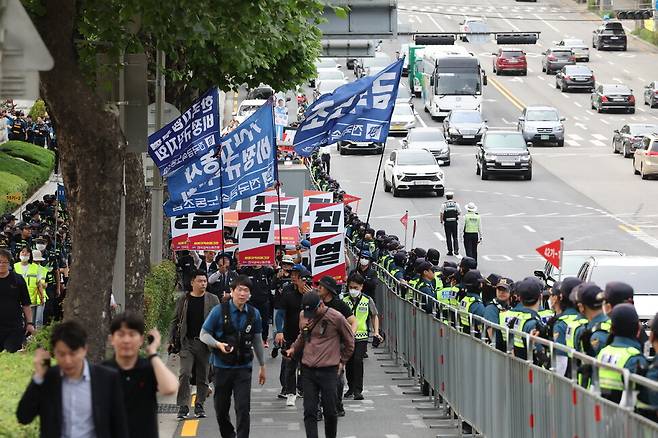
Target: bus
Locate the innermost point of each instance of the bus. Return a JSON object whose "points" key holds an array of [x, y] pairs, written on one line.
{"points": [[415, 57], [451, 79]]}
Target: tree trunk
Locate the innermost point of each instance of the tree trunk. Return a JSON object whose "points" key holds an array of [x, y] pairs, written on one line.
{"points": [[137, 236], [92, 150]]}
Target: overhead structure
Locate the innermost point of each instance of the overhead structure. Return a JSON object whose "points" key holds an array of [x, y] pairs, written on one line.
{"points": [[348, 48], [449, 38]]}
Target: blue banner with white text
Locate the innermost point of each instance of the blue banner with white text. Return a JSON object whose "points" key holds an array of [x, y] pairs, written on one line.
{"points": [[189, 136], [359, 111], [248, 167]]}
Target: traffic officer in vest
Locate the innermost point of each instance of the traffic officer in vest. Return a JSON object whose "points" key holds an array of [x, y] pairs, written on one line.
{"points": [[365, 311], [569, 323], [527, 318], [449, 216], [472, 300], [495, 311], [233, 330], [624, 351], [590, 302], [647, 399], [472, 230]]}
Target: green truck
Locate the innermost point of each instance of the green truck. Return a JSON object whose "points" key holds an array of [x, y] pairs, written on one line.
{"points": [[415, 79]]}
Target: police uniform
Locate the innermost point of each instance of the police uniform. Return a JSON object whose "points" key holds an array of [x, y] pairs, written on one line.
{"points": [[451, 211], [472, 231], [364, 309], [471, 302]]}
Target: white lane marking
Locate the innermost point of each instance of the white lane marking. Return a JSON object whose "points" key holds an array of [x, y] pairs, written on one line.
{"points": [[551, 86], [577, 104], [439, 236], [642, 79], [597, 143], [605, 122], [599, 136], [573, 143], [575, 137], [617, 80], [529, 228], [642, 110], [581, 126], [422, 122], [514, 214], [541, 78], [547, 23], [566, 96], [435, 22], [547, 214], [509, 23]]}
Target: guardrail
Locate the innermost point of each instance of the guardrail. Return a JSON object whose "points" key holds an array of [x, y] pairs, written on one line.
{"points": [[499, 394]]}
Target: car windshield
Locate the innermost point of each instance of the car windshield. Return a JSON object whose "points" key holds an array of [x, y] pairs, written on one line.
{"points": [[638, 130], [505, 140], [422, 135], [466, 117], [616, 89], [247, 109], [542, 116], [329, 86], [403, 110], [511, 54], [458, 83], [326, 63], [577, 70], [644, 279], [571, 265], [416, 158]]}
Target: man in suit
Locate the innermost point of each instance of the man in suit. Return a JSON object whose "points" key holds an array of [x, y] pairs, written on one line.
{"points": [[220, 282], [74, 399]]}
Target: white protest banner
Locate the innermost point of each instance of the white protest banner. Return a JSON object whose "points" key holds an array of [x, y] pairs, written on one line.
{"points": [[286, 214], [256, 239], [328, 257], [179, 227], [313, 197], [205, 230]]}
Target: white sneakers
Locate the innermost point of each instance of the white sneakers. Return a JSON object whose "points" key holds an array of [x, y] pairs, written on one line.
{"points": [[291, 399]]}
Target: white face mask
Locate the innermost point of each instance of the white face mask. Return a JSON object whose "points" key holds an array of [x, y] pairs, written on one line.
{"points": [[41, 246], [355, 293], [364, 262], [25, 258]]}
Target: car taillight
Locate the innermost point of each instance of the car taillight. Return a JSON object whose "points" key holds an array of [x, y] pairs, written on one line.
{"points": [[631, 99], [552, 58], [655, 92], [604, 98], [652, 153]]}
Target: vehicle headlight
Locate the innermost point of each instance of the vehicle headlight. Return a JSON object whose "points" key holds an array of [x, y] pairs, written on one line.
{"points": [[525, 157], [453, 131], [399, 175], [439, 175], [560, 128], [489, 156]]}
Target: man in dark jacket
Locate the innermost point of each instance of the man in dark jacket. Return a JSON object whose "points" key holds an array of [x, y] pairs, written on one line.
{"points": [[74, 398]]}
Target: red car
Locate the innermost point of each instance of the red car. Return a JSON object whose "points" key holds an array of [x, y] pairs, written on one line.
{"points": [[512, 60]]}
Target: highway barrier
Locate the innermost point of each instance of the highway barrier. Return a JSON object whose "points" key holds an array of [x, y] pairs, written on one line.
{"points": [[499, 394]]}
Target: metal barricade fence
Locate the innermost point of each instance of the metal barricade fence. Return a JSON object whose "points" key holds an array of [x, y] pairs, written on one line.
{"points": [[500, 395]]}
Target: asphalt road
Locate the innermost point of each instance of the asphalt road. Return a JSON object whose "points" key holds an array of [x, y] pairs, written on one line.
{"points": [[582, 192]]}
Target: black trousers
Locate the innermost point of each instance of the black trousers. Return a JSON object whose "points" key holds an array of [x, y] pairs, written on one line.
{"points": [[234, 382], [326, 162], [320, 384], [340, 386], [451, 236], [11, 340], [354, 367], [290, 375], [471, 245]]}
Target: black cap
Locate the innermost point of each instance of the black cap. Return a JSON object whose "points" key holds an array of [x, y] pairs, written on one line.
{"points": [[468, 263], [624, 320], [433, 256], [400, 258], [330, 284], [472, 279], [566, 287], [449, 271], [529, 291], [420, 252], [590, 295], [492, 280], [449, 264], [310, 303], [423, 266], [617, 292]]}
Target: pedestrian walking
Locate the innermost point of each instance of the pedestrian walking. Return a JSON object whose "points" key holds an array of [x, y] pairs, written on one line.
{"points": [[325, 157], [34, 278], [15, 310], [261, 279], [74, 398], [472, 231], [192, 309], [220, 281], [326, 343], [449, 216], [142, 378], [233, 331]]}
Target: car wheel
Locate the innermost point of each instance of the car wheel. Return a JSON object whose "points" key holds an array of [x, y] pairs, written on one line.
{"points": [[599, 110], [387, 188], [557, 85], [623, 49], [652, 103], [586, 60], [477, 168], [645, 100], [543, 69], [627, 153], [631, 111], [396, 192], [439, 193], [528, 175], [484, 174], [642, 172], [342, 151], [524, 73], [447, 163], [560, 143], [635, 171], [614, 148], [426, 110]]}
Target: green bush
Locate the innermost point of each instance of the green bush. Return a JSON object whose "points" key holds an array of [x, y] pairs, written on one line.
{"points": [[38, 109], [160, 296], [41, 338], [15, 372], [24, 168], [647, 35]]}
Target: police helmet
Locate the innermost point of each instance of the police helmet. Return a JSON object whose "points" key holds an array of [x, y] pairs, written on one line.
{"points": [[449, 195]]}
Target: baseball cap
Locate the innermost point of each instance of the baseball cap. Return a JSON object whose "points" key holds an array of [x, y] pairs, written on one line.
{"points": [[567, 286], [617, 292], [624, 320], [492, 280], [590, 295], [310, 303], [330, 283], [472, 278], [528, 290], [424, 266], [303, 272], [287, 259]]}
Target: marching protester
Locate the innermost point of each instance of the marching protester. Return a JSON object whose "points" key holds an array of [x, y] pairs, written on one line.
{"points": [[326, 343], [73, 398], [233, 331], [15, 307], [261, 293], [192, 309], [221, 280], [141, 378]]}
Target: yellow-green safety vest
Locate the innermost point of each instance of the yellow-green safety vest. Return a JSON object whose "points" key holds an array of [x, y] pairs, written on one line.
{"points": [[545, 315], [609, 379], [573, 322], [32, 280], [361, 313], [521, 319], [465, 306], [471, 223], [438, 284], [414, 284]]}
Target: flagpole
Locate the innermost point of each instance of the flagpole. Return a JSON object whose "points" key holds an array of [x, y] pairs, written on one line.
{"points": [[278, 182], [413, 234], [372, 201], [561, 257], [406, 226]]}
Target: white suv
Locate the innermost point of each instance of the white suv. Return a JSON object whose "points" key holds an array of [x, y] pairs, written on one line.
{"points": [[412, 170]]}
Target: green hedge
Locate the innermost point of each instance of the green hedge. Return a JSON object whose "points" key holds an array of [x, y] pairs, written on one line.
{"points": [[24, 168], [647, 35], [160, 296], [15, 372]]}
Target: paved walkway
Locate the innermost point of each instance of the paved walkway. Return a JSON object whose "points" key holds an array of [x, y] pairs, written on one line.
{"points": [[393, 408], [49, 188]]}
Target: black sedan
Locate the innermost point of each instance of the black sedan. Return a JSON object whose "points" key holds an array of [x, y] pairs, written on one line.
{"points": [[572, 77], [630, 136], [613, 96]]}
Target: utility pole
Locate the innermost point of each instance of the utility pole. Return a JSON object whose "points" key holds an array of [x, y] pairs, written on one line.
{"points": [[157, 191]]}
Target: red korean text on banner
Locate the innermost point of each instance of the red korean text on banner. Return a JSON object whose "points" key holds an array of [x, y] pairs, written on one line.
{"points": [[313, 197], [286, 214], [256, 239], [551, 252], [328, 257], [179, 227], [205, 230]]}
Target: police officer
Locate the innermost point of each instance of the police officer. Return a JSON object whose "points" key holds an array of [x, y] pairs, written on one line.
{"points": [[449, 216], [396, 268], [617, 292], [495, 311], [471, 302], [466, 264], [448, 294], [527, 318], [364, 267], [569, 323], [624, 351], [647, 400], [472, 230], [590, 302], [489, 288]]}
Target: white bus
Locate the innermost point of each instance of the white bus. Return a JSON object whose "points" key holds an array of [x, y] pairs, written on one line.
{"points": [[451, 78]]}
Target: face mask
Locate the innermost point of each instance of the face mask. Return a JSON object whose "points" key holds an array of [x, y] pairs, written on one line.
{"points": [[25, 258], [355, 293], [364, 262], [41, 246]]}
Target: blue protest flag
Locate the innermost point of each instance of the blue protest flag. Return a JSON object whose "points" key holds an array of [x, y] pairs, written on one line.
{"points": [[358, 111], [188, 136], [245, 167]]}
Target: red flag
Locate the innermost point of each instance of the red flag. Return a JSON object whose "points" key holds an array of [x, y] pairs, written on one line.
{"points": [[551, 252], [348, 199], [405, 219]]}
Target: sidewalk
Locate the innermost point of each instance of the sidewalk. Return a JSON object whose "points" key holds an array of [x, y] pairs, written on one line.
{"points": [[393, 408], [49, 188]]}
